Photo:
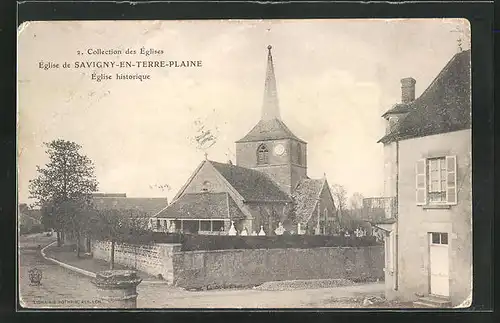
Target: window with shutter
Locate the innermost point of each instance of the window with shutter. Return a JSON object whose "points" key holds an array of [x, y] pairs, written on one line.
{"points": [[436, 181], [420, 183], [436, 176], [451, 180]]}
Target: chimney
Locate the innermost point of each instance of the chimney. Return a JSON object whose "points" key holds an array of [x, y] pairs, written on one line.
{"points": [[407, 89]]}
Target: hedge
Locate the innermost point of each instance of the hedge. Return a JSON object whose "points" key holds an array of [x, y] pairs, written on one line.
{"points": [[191, 242]]}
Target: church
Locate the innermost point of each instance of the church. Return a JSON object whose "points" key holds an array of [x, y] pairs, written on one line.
{"points": [[267, 188]]}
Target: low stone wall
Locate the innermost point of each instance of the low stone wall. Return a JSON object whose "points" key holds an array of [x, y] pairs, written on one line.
{"points": [[153, 259], [231, 268]]}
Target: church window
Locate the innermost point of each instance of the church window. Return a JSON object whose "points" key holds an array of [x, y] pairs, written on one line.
{"points": [[262, 155], [206, 186], [299, 154]]}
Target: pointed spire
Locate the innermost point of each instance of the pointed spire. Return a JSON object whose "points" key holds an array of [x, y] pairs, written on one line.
{"points": [[270, 107]]}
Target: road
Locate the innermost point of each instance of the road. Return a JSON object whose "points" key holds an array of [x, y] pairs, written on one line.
{"points": [[61, 288]]}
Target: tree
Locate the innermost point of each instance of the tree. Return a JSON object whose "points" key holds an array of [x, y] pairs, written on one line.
{"points": [[119, 226], [63, 186], [75, 219], [356, 206], [356, 201], [339, 194]]}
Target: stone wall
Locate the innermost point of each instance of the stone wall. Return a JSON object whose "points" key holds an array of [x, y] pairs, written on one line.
{"points": [[230, 268], [153, 259]]}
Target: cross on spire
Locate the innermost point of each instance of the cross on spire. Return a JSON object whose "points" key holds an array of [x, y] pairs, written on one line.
{"points": [[270, 106]]}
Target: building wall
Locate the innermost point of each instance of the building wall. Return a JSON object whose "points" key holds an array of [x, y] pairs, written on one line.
{"points": [[298, 173], [152, 259], [281, 175], [246, 153], [415, 222], [262, 214], [226, 268], [206, 174], [328, 224], [390, 173], [284, 170], [216, 185]]}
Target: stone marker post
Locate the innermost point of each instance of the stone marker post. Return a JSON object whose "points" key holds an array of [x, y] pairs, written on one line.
{"points": [[117, 288]]}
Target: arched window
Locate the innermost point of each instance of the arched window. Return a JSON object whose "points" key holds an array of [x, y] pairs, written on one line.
{"points": [[262, 155], [299, 154], [206, 186]]}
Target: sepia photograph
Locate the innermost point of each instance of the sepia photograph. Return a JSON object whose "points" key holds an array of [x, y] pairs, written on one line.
{"points": [[201, 164]]}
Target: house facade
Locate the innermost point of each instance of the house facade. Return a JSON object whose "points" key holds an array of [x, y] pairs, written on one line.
{"points": [[428, 171], [268, 184]]}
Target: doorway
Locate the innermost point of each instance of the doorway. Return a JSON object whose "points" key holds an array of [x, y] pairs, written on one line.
{"points": [[439, 264]]}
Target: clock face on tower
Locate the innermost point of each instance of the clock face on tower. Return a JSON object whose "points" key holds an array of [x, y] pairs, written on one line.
{"points": [[279, 149]]}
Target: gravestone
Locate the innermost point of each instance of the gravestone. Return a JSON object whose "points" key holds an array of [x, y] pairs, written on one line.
{"points": [[232, 230], [280, 229]]}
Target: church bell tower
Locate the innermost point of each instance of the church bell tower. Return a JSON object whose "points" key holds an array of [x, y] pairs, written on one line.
{"points": [[270, 147]]}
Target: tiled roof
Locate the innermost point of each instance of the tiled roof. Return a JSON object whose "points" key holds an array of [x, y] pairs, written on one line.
{"points": [[444, 106], [269, 130], [252, 185], [384, 221], [202, 206], [148, 205], [397, 108], [306, 196]]}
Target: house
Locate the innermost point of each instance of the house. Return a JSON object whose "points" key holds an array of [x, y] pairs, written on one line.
{"points": [[268, 184], [376, 208], [29, 220], [146, 207], [427, 151]]}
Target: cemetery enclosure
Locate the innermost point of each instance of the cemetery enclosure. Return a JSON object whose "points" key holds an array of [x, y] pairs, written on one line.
{"points": [[246, 267]]}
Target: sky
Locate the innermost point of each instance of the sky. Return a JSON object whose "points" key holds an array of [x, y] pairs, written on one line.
{"points": [[335, 78]]}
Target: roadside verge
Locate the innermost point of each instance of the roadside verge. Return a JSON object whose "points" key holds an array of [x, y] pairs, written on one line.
{"points": [[62, 264], [82, 271]]}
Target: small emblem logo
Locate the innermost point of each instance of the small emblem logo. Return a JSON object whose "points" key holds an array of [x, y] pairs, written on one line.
{"points": [[35, 276]]}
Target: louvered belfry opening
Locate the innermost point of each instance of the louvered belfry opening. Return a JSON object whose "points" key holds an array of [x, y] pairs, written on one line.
{"points": [[262, 155]]}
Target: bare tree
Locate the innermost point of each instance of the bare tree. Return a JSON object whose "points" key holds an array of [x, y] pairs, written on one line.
{"points": [[66, 182], [340, 198], [356, 201]]}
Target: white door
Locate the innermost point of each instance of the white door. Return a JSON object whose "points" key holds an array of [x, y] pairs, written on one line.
{"points": [[439, 264]]}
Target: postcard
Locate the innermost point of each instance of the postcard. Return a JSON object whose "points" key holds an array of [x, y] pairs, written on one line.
{"points": [[244, 164]]}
